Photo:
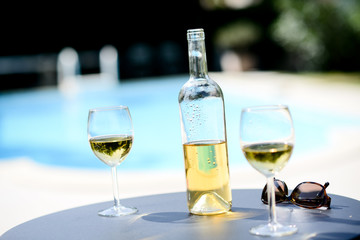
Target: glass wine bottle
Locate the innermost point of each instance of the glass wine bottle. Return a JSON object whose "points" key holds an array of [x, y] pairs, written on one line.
{"points": [[204, 135]]}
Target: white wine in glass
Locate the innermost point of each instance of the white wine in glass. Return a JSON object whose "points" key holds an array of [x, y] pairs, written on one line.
{"points": [[267, 140], [110, 133]]}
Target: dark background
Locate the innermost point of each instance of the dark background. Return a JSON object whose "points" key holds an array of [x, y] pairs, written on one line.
{"points": [[150, 37]]}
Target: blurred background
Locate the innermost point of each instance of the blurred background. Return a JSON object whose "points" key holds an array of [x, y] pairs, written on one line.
{"points": [[57, 61], [242, 35]]}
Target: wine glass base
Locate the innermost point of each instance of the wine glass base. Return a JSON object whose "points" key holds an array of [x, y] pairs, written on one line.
{"points": [[117, 211], [273, 230]]}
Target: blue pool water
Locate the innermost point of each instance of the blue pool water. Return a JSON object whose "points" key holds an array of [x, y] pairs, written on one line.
{"points": [[50, 128]]}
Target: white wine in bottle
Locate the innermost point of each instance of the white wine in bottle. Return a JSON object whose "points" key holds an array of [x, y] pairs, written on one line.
{"points": [[204, 135]]}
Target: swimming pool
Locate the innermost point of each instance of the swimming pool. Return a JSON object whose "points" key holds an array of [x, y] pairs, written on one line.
{"points": [[50, 127]]}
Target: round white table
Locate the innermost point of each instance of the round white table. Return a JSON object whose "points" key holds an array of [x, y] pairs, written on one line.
{"points": [[166, 216]]}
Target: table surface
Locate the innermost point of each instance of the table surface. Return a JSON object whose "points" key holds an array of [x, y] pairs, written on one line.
{"points": [[166, 216]]}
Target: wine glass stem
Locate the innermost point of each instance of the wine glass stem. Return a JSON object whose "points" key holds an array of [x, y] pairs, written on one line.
{"points": [[115, 187], [271, 200]]}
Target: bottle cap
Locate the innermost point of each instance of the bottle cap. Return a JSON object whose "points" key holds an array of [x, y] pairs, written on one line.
{"points": [[195, 34]]}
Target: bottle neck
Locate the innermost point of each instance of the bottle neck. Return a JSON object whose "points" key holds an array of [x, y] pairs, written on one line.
{"points": [[197, 59]]}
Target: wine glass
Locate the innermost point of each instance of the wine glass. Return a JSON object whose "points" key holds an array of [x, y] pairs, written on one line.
{"points": [[110, 133], [267, 139]]}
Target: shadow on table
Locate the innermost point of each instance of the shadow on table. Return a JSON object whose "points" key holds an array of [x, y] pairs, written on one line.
{"points": [[167, 217], [335, 235], [185, 217], [323, 217]]}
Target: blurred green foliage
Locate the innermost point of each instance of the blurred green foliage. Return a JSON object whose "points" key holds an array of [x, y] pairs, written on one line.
{"points": [[319, 35]]}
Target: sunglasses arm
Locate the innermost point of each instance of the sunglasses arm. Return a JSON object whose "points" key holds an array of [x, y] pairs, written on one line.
{"points": [[327, 202], [322, 191], [327, 199]]}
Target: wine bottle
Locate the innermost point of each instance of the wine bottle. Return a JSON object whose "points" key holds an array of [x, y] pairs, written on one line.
{"points": [[203, 130]]}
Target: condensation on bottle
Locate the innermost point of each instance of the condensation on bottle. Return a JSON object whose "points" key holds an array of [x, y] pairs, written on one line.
{"points": [[203, 131]]}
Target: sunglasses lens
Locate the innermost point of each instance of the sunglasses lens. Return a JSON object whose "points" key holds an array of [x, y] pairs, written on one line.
{"points": [[310, 195], [281, 192]]}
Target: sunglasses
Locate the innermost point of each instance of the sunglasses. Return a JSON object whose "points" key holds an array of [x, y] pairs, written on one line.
{"points": [[306, 194]]}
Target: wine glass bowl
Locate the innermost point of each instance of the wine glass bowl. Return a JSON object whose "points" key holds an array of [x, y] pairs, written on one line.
{"points": [[111, 149], [110, 134], [267, 140], [267, 137]]}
